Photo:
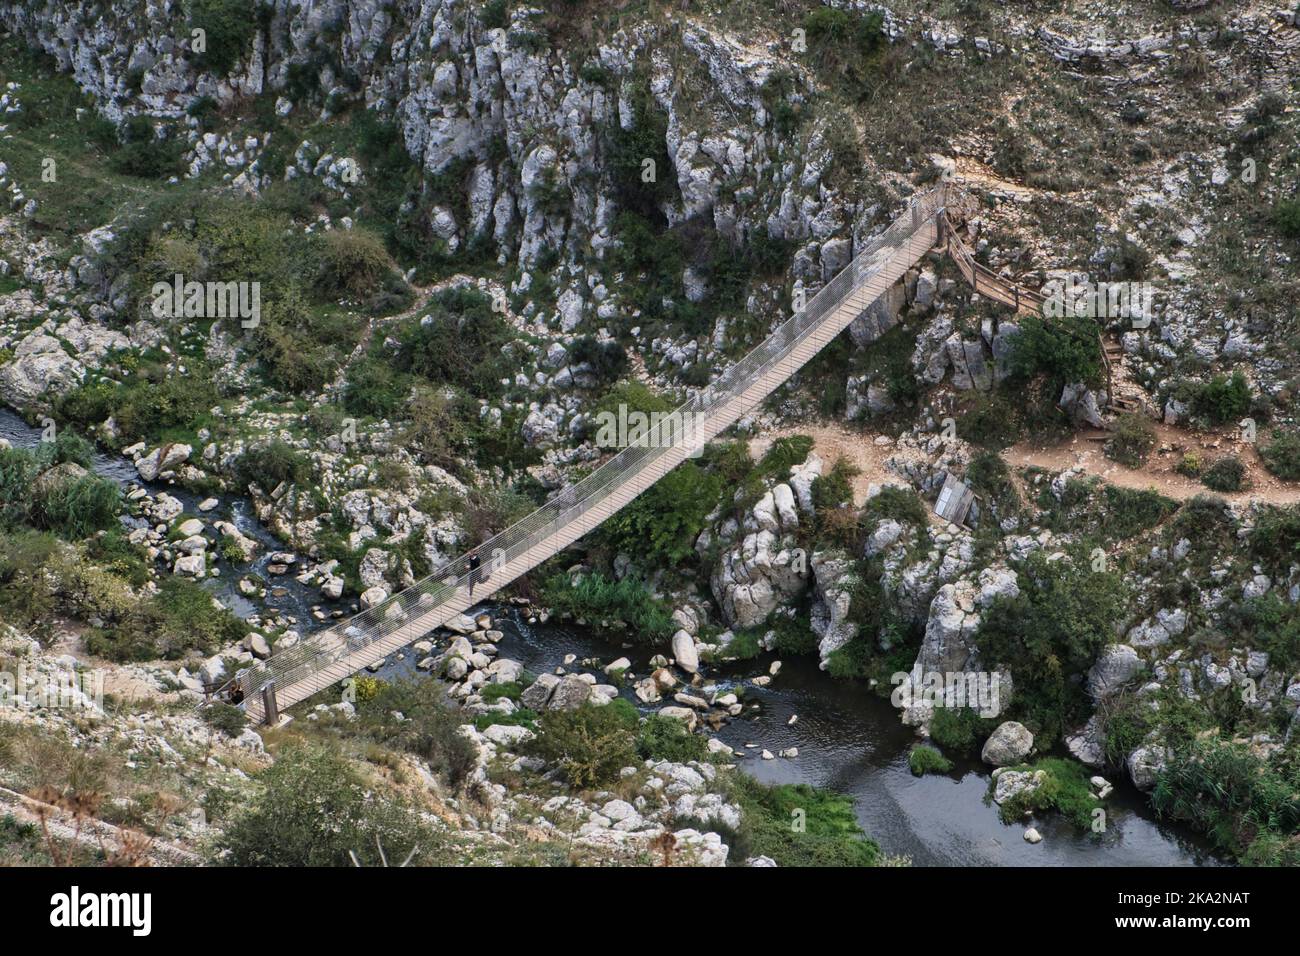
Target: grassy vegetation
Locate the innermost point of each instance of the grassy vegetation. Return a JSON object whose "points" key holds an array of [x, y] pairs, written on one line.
{"points": [[922, 760], [1064, 789], [179, 618], [50, 490], [1249, 806], [92, 181], [1104, 513], [443, 363], [666, 738], [413, 716], [597, 599], [797, 825], [150, 401]]}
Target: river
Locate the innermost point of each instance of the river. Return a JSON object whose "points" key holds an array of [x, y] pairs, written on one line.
{"points": [[849, 739]]}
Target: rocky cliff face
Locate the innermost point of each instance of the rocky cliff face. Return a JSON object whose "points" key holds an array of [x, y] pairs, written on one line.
{"points": [[525, 117]]}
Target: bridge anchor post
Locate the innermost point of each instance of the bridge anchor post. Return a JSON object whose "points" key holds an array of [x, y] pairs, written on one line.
{"points": [[270, 706]]}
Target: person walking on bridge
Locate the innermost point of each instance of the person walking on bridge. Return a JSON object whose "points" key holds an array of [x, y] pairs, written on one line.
{"points": [[474, 578]]}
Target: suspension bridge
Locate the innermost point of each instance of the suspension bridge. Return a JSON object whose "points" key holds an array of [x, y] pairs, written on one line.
{"points": [[324, 658]]}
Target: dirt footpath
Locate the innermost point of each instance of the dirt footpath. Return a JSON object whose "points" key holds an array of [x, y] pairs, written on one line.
{"points": [[1085, 451]]}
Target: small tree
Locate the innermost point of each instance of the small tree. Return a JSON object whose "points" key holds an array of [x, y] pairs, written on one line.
{"points": [[316, 811], [1226, 474], [1282, 455], [1132, 440], [590, 744]]}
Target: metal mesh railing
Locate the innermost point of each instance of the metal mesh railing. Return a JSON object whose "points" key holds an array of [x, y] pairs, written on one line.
{"points": [[512, 552]]}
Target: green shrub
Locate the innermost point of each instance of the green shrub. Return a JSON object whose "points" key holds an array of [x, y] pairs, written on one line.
{"points": [[1205, 520], [459, 342], [1276, 535], [628, 145], [1272, 624], [154, 401], [660, 527], [1224, 398], [1190, 465], [923, 760], [374, 389], [144, 153], [18, 469], [227, 718], [315, 810], [206, 110], [1131, 440], [353, 262], [847, 46], [608, 360], [229, 26], [793, 635], [988, 475], [1282, 455], [1286, 215], [1065, 350], [666, 738], [112, 551], [785, 453], [495, 14], [267, 466], [29, 581], [901, 504], [959, 729], [837, 522], [1226, 474], [1130, 511], [1049, 636], [590, 744]]}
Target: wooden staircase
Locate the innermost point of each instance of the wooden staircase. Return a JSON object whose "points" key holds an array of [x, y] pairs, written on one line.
{"points": [[1113, 354], [1026, 301]]}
